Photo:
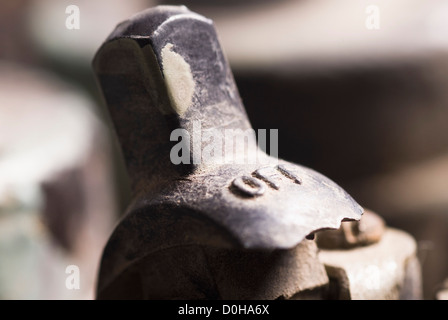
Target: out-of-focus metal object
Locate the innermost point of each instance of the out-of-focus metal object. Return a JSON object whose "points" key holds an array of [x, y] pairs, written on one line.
{"points": [[56, 200], [194, 229], [365, 231], [386, 270], [366, 260], [442, 292]]}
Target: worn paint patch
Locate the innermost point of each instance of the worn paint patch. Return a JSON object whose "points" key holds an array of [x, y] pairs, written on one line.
{"points": [[178, 78]]}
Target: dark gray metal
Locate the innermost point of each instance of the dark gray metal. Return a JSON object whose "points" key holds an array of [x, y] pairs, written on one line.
{"points": [[162, 70]]}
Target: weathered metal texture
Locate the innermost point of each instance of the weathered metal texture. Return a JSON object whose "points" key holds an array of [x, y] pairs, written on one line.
{"points": [[386, 270], [197, 272], [164, 70], [365, 231], [373, 112]]}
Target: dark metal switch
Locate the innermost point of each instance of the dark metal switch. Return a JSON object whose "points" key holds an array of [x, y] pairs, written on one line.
{"points": [[166, 82]]}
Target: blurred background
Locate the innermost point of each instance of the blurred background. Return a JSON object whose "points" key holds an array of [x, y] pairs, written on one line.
{"points": [[357, 89]]}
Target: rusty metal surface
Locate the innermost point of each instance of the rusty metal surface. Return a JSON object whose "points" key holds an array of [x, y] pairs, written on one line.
{"points": [[196, 272], [163, 70], [378, 96], [365, 231], [386, 270]]}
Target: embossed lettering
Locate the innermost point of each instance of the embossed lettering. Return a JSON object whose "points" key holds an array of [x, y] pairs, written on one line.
{"points": [[289, 174], [249, 186], [267, 174]]}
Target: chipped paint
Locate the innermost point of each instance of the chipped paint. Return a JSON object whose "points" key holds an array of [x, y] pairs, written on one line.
{"points": [[178, 78]]}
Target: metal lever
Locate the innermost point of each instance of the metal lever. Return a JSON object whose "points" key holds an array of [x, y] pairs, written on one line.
{"points": [[161, 71]]}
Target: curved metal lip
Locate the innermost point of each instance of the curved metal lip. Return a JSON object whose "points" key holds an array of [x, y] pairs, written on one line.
{"points": [[279, 217], [150, 22], [206, 219]]}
